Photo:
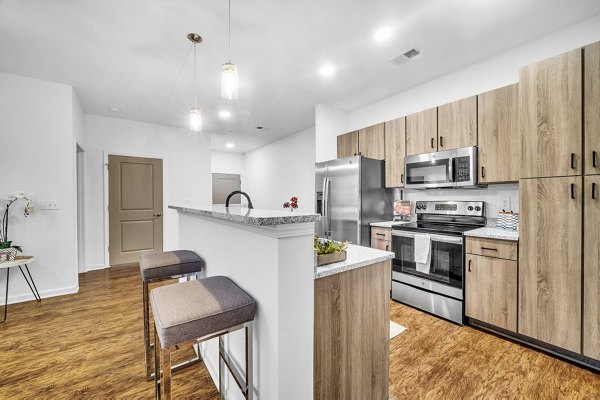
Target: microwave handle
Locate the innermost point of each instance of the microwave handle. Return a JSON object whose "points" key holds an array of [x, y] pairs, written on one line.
{"points": [[451, 169]]}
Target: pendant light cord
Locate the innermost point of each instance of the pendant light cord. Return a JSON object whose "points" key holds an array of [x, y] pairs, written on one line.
{"points": [[195, 67], [229, 31]]}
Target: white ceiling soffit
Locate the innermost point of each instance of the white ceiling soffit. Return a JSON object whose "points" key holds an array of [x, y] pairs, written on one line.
{"points": [[130, 54]]}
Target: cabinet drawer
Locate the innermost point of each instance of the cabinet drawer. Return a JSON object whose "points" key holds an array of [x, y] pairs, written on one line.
{"points": [[381, 233], [492, 248], [381, 244]]}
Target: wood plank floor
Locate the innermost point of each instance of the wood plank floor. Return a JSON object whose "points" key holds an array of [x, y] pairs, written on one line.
{"points": [[90, 345]]}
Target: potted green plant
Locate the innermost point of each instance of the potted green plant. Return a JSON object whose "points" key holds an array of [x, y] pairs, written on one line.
{"points": [[8, 251], [329, 251]]}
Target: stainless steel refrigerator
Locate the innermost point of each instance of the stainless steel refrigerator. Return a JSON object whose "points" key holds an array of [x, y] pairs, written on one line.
{"points": [[350, 194]]}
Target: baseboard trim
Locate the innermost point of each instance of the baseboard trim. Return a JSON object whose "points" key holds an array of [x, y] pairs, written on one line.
{"points": [[23, 297], [93, 268]]}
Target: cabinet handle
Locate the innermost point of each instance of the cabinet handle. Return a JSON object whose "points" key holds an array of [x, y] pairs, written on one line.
{"points": [[482, 171], [572, 160], [401, 178], [380, 234], [355, 154], [441, 141], [469, 265], [594, 159], [488, 248], [594, 190], [572, 190], [432, 143]]}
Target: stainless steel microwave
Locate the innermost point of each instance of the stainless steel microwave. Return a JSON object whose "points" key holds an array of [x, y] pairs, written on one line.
{"points": [[456, 168]]}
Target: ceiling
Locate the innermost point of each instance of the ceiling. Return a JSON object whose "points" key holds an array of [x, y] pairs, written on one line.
{"points": [[134, 54]]}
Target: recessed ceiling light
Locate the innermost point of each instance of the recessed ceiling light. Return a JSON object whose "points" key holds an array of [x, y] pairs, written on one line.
{"points": [[225, 114], [114, 109], [382, 34], [230, 145], [327, 70]]}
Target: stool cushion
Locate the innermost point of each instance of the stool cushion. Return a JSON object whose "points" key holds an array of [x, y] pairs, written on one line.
{"points": [[170, 263], [189, 310]]}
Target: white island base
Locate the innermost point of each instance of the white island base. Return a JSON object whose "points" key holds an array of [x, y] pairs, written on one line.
{"points": [[274, 263]]}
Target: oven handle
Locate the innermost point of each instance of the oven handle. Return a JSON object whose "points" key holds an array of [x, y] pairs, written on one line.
{"points": [[435, 238]]}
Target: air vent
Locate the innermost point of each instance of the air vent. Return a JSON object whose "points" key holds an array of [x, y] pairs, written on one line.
{"points": [[407, 55]]}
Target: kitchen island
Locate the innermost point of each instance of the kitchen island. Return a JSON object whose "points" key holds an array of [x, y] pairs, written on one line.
{"points": [[301, 309]]}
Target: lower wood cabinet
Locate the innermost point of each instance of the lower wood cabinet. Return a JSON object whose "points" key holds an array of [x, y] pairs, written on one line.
{"points": [[381, 238], [491, 290], [591, 267], [550, 251]]}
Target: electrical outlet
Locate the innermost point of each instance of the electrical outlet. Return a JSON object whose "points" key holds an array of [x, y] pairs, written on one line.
{"points": [[506, 203], [48, 204]]}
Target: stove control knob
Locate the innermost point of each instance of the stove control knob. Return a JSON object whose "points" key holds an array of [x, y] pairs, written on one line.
{"points": [[470, 208], [477, 208]]}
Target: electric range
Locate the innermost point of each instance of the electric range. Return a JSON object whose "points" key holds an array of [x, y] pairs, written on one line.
{"points": [[436, 286]]}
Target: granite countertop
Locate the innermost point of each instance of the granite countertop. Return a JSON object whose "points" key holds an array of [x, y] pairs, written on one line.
{"points": [[244, 215], [494, 233], [388, 224], [356, 257]]}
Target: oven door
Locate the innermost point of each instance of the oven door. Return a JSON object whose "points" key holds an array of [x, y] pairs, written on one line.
{"points": [[432, 170], [446, 272]]}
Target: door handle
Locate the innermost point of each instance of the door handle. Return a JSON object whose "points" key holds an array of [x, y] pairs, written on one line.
{"points": [[157, 215], [432, 143], [594, 154], [469, 265], [441, 141], [572, 160], [594, 190], [572, 190]]}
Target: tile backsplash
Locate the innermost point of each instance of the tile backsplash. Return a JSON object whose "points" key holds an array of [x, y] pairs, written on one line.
{"points": [[494, 197]]}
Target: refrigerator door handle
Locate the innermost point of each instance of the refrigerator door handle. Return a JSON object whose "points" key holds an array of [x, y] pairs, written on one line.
{"points": [[326, 205]]}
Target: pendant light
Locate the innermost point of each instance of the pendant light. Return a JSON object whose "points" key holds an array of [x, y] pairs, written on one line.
{"points": [[229, 76], [195, 114]]}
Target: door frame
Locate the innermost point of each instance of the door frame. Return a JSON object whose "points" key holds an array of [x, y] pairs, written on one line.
{"points": [[105, 155]]}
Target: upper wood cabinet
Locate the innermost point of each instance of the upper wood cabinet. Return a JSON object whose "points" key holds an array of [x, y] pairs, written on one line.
{"points": [[498, 135], [591, 267], [347, 145], [591, 101], [491, 291], [551, 116], [550, 245], [395, 150], [422, 132], [457, 124], [371, 142]]}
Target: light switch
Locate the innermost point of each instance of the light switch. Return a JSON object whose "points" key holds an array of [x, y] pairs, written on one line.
{"points": [[48, 204]]}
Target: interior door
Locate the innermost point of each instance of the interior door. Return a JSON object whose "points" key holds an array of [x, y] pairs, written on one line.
{"points": [[344, 199], [550, 244], [222, 185], [135, 208]]}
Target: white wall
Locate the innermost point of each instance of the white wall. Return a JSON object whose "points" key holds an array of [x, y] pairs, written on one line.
{"points": [[282, 169], [329, 123], [186, 175], [494, 72], [228, 162], [38, 157]]}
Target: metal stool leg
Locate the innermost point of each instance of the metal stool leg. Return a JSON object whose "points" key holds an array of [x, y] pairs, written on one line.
{"points": [[221, 368], [165, 366], [6, 295], [249, 361], [156, 368], [33, 288], [147, 333]]}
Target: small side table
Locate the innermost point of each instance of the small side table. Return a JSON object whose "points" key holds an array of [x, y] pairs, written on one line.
{"points": [[20, 261]]}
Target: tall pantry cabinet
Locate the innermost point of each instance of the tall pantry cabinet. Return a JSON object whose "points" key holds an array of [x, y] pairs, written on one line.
{"points": [[559, 276]]}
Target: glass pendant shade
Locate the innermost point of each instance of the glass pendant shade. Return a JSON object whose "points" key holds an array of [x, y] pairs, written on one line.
{"points": [[195, 120], [229, 82]]}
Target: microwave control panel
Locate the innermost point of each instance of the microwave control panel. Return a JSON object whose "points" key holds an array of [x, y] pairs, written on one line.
{"points": [[462, 169]]}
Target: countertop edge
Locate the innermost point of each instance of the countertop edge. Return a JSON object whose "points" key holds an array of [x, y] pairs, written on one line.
{"points": [[493, 233], [247, 219]]}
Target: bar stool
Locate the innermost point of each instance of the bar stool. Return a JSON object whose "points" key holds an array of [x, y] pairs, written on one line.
{"points": [[196, 311], [159, 266]]}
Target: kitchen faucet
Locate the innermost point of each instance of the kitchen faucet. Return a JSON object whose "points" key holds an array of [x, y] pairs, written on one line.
{"points": [[250, 206]]}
